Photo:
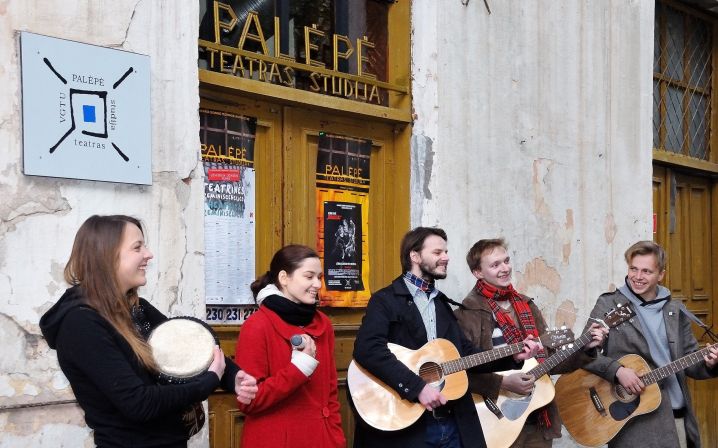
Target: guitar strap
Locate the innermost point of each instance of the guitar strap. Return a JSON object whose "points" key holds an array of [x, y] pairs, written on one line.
{"points": [[693, 317], [700, 323], [452, 302]]}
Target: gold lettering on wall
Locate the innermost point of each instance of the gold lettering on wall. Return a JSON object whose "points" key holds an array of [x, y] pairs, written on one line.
{"points": [[252, 19], [335, 50], [278, 42], [361, 59], [278, 68], [308, 32]]}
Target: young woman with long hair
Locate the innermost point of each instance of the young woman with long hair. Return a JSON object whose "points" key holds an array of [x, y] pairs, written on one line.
{"points": [[296, 405], [99, 329]]}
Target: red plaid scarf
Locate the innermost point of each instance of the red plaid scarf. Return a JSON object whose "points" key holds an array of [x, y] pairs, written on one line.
{"points": [[512, 332]]}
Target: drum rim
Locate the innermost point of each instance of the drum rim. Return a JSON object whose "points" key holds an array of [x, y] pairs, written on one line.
{"points": [[192, 318], [165, 378]]}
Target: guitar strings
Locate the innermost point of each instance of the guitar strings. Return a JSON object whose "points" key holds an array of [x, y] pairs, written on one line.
{"points": [[432, 372]]}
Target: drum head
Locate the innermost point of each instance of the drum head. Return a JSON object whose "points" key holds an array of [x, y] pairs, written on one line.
{"points": [[183, 347]]}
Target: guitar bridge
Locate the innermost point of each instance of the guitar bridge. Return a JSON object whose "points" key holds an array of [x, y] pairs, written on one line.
{"points": [[596, 400], [491, 406]]}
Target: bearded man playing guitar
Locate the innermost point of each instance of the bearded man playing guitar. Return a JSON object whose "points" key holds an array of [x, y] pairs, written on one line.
{"points": [[494, 314], [660, 334], [410, 312]]}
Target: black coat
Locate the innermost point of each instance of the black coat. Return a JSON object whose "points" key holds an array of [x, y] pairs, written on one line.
{"points": [[392, 316], [123, 402]]}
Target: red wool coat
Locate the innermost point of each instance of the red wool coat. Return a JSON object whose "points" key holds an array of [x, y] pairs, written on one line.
{"points": [[290, 410]]}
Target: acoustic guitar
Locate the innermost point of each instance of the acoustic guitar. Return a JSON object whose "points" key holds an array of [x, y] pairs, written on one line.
{"points": [[503, 419], [438, 363], [595, 410]]}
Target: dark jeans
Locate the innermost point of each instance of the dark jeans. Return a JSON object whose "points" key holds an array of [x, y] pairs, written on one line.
{"points": [[441, 432]]}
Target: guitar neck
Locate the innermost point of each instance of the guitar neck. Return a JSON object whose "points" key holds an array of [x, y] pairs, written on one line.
{"points": [[560, 356], [467, 362], [676, 366]]}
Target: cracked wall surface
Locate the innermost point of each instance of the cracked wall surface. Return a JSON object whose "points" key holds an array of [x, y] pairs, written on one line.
{"points": [[39, 216], [537, 119], [532, 122]]}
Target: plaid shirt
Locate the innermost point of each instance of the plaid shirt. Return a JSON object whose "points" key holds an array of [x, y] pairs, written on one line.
{"points": [[423, 294]]}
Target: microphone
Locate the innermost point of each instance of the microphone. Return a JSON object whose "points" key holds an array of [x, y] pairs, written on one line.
{"points": [[297, 342]]}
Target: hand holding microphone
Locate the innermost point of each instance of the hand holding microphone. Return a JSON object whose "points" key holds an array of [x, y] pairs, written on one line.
{"points": [[303, 343], [297, 342]]}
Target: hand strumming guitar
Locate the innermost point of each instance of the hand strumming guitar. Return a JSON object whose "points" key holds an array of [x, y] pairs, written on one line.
{"points": [[630, 381], [431, 398], [518, 383]]}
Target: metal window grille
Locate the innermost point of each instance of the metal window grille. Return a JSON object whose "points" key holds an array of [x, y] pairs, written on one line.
{"points": [[682, 71]]}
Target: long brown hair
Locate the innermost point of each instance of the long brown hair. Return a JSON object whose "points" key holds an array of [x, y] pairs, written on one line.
{"points": [[93, 266]]}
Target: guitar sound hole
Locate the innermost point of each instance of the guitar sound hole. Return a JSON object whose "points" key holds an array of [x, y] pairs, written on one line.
{"points": [[430, 372], [623, 395]]}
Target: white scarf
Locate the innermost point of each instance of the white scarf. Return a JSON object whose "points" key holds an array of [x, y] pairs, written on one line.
{"points": [[269, 290]]}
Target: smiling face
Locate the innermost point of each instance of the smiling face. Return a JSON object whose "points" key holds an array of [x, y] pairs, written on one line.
{"points": [[432, 261], [132, 256], [644, 276], [495, 267], [303, 284]]}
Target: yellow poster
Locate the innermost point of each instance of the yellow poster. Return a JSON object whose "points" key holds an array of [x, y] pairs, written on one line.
{"points": [[343, 219]]}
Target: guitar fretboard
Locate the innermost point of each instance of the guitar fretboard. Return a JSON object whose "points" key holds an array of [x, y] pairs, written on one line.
{"points": [[560, 356], [676, 366], [467, 362]]}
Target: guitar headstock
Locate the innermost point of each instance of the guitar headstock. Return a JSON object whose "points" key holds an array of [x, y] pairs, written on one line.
{"points": [[557, 337], [616, 316]]}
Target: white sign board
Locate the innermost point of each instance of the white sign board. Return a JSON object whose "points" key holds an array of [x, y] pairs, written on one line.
{"points": [[85, 111]]}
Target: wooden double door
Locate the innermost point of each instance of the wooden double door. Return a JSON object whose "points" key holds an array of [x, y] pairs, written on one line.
{"points": [[286, 148], [686, 212]]}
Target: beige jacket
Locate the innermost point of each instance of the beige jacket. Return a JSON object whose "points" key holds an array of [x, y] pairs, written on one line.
{"points": [[477, 322]]}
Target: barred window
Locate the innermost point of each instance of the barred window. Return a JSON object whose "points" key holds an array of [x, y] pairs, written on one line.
{"points": [[682, 70]]}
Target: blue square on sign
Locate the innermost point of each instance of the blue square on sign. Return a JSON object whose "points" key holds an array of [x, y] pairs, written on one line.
{"points": [[88, 113]]}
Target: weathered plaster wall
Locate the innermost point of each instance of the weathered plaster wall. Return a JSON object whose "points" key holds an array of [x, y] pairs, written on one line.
{"points": [[39, 216], [534, 123]]}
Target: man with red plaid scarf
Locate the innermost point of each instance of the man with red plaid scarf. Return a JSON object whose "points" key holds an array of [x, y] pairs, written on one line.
{"points": [[494, 314]]}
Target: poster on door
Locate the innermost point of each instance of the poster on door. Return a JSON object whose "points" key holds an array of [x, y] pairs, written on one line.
{"points": [[227, 149], [343, 219]]}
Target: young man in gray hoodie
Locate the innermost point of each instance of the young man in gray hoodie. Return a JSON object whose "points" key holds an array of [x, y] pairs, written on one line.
{"points": [[660, 334]]}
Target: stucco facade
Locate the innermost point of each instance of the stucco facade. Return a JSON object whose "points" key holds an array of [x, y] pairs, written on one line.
{"points": [[39, 215], [532, 122]]}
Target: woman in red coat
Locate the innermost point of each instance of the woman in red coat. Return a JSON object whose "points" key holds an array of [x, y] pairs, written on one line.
{"points": [[296, 405]]}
